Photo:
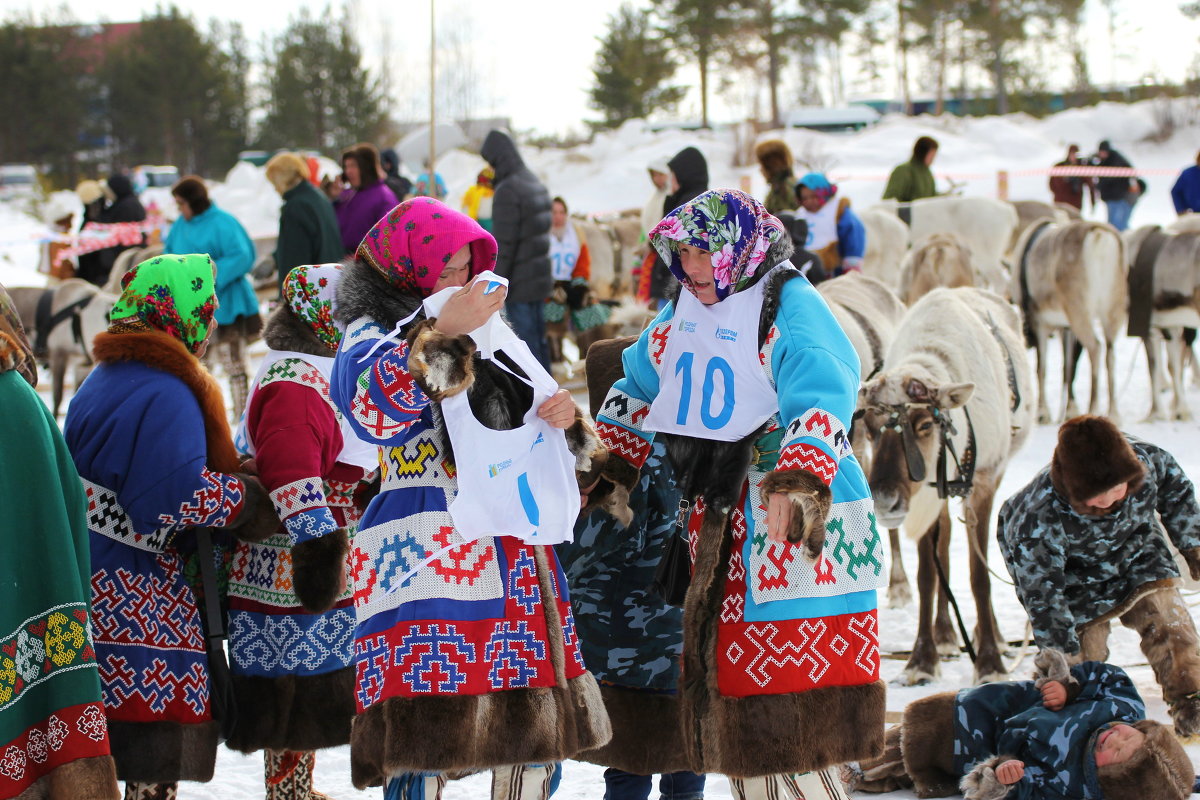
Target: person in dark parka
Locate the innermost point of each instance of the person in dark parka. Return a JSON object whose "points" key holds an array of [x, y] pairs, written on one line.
{"points": [[401, 186], [124, 207], [521, 225], [308, 227], [689, 179]]}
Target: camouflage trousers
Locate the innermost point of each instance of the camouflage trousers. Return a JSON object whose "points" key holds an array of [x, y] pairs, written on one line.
{"points": [[1169, 641]]}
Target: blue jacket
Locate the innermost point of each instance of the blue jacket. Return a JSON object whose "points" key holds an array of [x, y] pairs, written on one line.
{"points": [[219, 234], [1186, 191], [852, 238], [1008, 719]]}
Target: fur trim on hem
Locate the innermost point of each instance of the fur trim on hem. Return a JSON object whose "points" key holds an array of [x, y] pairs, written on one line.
{"points": [[811, 502], [81, 779], [165, 353], [647, 739], [927, 744], [163, 752], [440, 364], [476, 732], [1132, 599], [294, 712]]}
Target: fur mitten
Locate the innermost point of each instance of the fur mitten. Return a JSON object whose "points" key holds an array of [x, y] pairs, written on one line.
{"points": [[440, 364], [319, 570], [1192, 557], [1051, 665], [811, 501], [257, 519], [981, 782], [590, 453], [611, 495]]}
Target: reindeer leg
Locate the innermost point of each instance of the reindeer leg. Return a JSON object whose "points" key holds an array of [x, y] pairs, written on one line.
{"points": [[923, 666], [943, 627], [1110, 368], [1175, 354], [1043, 411], [1151, 345], [58, 369], [989, 666], [899, 592]]}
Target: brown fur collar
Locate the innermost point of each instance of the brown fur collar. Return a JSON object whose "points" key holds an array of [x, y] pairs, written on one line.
{"points": [[1093, 456], [286, 331], [165, 353]]}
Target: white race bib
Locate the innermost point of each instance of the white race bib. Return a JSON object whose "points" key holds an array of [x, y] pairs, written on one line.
{"points": [[564, 253], [712, 385]]}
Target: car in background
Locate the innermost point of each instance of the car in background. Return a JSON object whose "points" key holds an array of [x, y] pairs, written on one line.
{"points": [[150, 176], [18, 180]]}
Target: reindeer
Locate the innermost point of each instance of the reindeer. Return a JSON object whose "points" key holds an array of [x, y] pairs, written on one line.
{"points": [[869, 313], [1071, 277], [945, 415], [1169, 262], [887, 241], [941, 259], [61, 322]]}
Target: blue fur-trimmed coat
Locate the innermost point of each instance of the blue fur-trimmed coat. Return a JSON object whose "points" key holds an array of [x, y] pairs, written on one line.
{"points": [[776, 647]]}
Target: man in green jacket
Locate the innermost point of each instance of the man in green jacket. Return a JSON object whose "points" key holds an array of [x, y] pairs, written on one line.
{"points": [[308, 228], [913, 179]]}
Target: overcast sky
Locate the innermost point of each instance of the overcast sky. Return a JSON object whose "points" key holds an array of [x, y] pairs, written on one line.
{"points": [[533, 58]]}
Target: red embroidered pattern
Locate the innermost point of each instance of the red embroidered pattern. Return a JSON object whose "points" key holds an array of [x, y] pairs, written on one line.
{"points": [[66, 735], [658, 342], [624, 443], [810, 459], [215, 503]]}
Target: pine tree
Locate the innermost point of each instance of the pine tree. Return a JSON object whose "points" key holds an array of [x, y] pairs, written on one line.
{"points": [[319, 94], [632, 67], [176, 96], [698, 27]]}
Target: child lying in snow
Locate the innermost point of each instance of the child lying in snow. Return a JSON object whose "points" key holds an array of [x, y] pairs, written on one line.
{"points": [[1078, 733]]}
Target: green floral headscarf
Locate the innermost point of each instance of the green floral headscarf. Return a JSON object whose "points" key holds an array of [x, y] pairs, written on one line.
{"points": [[174, 294], [309, 291]]}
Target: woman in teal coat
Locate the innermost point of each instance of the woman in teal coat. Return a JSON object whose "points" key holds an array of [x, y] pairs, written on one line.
{"points": [[204, 228]]}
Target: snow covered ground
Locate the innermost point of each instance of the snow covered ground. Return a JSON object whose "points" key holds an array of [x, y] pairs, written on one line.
{"points": [[610, 175]]}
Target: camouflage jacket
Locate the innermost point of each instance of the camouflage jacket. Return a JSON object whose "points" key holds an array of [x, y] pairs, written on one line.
{"points": [[1070, 569], [1008, 719], [629, 636]]}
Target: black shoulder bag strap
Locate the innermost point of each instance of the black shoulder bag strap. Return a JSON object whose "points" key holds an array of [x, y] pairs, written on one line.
{"points": [[221, 698]]}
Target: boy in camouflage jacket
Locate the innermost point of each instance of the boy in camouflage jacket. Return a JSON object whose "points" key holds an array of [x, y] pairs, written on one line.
{"points": [[1084, 545], [1073, 734]]}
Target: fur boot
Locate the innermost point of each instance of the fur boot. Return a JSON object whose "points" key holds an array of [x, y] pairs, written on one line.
{"points": [[135, 790]]}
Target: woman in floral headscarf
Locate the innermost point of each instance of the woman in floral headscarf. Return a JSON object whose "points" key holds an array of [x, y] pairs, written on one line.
{"points": [[148, 434], [466, 652], [53, 739], [291, 619], [752, 383]]}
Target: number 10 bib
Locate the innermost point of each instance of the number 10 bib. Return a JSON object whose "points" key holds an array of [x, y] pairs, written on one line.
{"points": [[712, 385]]}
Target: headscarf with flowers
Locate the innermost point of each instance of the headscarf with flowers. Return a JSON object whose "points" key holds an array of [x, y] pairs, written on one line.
{"points": [[174, 294], [411, 245], [819, 185], [732, 225], [309, 291], [15, 352]]}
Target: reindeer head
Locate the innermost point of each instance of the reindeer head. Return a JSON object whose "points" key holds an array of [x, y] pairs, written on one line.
{"points": [[901, 410]]}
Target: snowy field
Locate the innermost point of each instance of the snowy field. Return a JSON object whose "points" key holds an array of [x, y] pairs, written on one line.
{"points": [[609, 175]]}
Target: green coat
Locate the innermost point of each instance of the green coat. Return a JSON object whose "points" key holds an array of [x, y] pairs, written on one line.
{"points": [[308, 230], [910, 181], [51, 714]]}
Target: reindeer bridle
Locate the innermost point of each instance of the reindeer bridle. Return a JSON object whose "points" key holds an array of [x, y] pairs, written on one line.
{"points": [[898, 420]]}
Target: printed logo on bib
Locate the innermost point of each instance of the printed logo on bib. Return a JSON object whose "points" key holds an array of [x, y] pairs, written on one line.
{"points": [[727, 334], [687, 327], [495, 469]]}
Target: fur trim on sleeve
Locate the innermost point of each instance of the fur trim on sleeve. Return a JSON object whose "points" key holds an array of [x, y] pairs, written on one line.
{"points": [[811, 501], [319, 570], [590, 453], [257, 520], [981, 782], [440, 364]]}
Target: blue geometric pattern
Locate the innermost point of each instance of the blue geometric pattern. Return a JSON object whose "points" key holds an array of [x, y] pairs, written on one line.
{"points": [[509, 651], [371, 661], [438, 656], [310, 524], [391, 562], [261, 570], [275, 645], [570, 638], [523, 586]]}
